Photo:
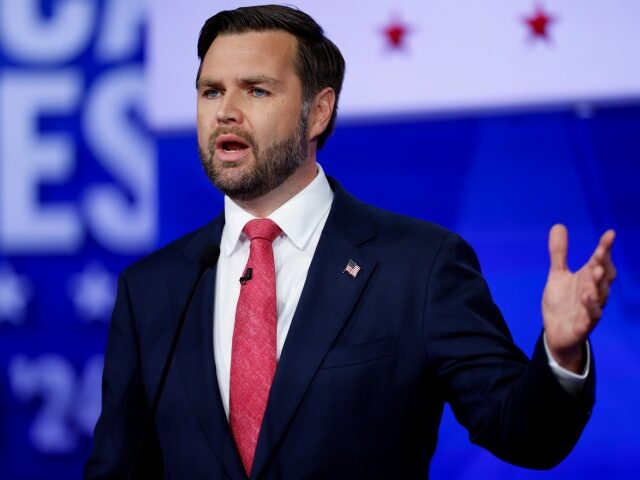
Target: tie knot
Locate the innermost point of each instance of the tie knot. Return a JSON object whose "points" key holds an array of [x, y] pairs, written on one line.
{"points": [[262, 228]]}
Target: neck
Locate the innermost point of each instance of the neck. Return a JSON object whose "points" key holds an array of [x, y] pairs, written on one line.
{"points": [[263, 206]]}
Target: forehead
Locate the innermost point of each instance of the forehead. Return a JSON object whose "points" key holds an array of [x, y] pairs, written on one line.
{"points": [[271, 52]]}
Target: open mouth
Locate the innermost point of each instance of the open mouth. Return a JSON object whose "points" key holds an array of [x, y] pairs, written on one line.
{"points": [[230, 147], [230, 143], [233, 146]]}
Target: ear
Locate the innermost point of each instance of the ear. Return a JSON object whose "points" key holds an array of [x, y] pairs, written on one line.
{"points": [[321, 111]]}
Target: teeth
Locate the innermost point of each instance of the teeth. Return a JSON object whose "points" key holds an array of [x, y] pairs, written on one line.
{"points": [[230, 149]]}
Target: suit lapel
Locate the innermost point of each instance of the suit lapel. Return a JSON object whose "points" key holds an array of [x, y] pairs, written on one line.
{"points": [[327, 299], [196, 362]]}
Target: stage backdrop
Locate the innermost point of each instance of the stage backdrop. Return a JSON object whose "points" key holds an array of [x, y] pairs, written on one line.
{"points": [[495, 120]]}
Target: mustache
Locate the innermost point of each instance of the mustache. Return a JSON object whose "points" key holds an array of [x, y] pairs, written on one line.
{"points": [[233, 130]]}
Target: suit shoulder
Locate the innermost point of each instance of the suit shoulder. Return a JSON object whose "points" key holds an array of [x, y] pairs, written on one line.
{"points": [[397, 236], [407, 227]]}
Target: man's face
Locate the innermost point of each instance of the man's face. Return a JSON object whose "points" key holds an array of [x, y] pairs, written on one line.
{"points": [[252, 130]]}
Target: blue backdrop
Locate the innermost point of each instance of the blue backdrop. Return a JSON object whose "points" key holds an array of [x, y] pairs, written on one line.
{"points": [[86, 189]]}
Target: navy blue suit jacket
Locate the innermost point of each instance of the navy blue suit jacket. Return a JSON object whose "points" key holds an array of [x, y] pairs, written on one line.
{"points": [[364, 373]]}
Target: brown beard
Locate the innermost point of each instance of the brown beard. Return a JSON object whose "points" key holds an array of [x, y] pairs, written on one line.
{"points": [[271, 167]]}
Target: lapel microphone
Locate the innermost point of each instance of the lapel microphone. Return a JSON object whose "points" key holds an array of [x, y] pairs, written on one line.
{"points": [[246, 277], [208, 259]]}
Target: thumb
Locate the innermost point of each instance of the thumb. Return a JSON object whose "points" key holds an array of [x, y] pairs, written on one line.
{"points": [[558, 245]]}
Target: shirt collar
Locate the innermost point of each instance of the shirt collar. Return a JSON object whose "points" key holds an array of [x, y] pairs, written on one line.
{"points": [[298, 217]]}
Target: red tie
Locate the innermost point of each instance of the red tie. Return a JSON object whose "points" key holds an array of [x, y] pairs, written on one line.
{"points": [[253, 354]]}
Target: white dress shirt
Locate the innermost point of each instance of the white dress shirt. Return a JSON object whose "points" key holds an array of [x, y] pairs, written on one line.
{"points": [[571, 382], [301, 219]]}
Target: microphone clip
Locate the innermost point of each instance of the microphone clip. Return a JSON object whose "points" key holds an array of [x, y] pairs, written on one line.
{"points": [[246, 277]]}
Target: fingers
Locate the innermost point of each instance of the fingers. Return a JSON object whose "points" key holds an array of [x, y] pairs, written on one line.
{"points": [[607, 238], [600, 272], [602, 284], [606, 243], [593, 307], [602, 256], [558, 245]]}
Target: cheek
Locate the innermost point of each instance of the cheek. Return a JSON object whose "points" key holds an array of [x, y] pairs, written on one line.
{"points": [[205, 113], [283, 121], [203, 137], [203, 129]]}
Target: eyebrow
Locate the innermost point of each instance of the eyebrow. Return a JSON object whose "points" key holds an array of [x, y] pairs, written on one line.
{"points": [[249, 81], [259, 79]]}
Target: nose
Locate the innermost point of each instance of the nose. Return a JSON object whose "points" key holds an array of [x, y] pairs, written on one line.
{"points": [[229, 111]]}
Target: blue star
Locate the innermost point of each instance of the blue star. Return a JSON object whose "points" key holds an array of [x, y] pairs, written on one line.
{"points": [[93, 292]]}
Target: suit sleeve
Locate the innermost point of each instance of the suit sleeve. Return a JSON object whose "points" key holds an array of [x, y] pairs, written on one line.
{"points": [[124, 406], [511, 406]]}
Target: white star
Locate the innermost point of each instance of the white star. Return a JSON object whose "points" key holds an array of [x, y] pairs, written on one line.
{"points": [[93, 292], [14, 295]]}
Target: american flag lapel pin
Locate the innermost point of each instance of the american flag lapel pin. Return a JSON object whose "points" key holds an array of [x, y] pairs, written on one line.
{"points": [[352, 268]]}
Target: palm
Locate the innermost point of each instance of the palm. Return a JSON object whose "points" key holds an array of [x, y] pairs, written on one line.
{"points": [[566, 319]]}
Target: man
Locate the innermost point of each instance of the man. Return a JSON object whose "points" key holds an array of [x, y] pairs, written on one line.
{"points": [[350, 327]]}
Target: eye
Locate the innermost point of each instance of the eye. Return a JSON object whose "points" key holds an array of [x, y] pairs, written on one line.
{"points": [[259, 92], [211, 93]]}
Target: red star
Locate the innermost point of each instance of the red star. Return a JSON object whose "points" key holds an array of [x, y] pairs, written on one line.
{"points": [[396, 33], [539, 23]]}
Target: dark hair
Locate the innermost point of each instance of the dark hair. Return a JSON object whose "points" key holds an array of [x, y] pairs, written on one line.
{"points": [[319, 63]]}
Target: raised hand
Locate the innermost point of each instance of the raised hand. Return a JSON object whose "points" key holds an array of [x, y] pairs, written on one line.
{"points": [[572, 303]]}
